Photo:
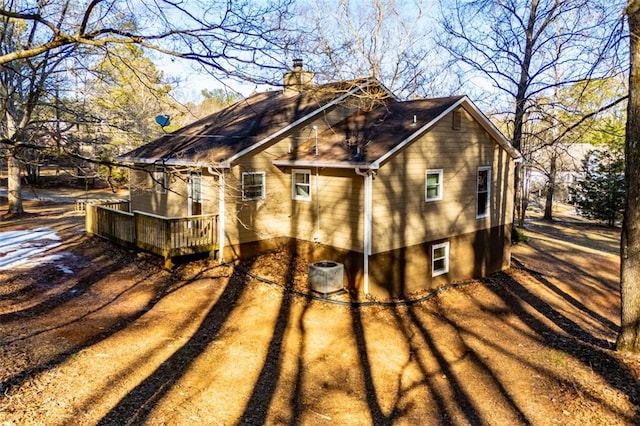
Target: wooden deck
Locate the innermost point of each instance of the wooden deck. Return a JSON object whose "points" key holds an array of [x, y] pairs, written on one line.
{"points": [[168, 237]]}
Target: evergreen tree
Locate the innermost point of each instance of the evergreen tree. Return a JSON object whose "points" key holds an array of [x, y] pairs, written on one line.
{"points": [[600, 193]]}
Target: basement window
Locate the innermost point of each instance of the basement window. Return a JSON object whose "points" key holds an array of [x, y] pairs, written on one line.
{"points": [[439, 259], [301, 185], [253, 186]]}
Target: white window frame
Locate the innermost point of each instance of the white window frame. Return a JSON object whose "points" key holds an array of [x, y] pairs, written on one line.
{"points": [[487, 209], [160, 179], [445, 269], [263, 191], [440, 186], [195, 182], [295, 184]]}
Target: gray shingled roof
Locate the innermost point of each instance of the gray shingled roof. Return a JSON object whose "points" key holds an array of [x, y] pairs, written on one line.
{"points": [[366, 137], [219, 136]]}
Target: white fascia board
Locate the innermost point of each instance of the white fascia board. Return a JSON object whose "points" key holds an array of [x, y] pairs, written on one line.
{"points": [[475, 112], [134, 160], [324, 164], [170, 162], [296, 123], [376, 164]]}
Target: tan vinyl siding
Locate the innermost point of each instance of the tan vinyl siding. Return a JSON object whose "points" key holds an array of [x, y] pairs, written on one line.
{"points": [[145, 198], [407, 270], [341, 209], [278, 215], [209, 193], [173, 202], [401, 215]]}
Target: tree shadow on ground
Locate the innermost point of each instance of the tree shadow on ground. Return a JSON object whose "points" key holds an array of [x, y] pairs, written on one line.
{"points": [[606, 322], [136, 406], [377, 415], [257, 407], [74, 295], [572, 339], [572, 232], [462, 398]]}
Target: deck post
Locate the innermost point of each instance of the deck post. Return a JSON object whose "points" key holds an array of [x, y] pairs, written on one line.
{"points": [[214, 227], [166, 249], [90, 219]]}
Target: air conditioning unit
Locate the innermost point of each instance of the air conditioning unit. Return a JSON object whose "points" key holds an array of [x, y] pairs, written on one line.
{"points": [[326, 276]]}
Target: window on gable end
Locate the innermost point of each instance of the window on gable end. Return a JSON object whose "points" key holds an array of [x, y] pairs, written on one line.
{"points": [[301, 185], [253, 186], [433, 185]]}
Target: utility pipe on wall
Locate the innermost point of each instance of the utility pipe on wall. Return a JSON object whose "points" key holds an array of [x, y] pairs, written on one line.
{"points": [[316, 235]]}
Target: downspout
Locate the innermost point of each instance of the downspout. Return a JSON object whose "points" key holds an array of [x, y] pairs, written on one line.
{"points": [[368, 215], [316, 235], [221, 212], [189, 195]]}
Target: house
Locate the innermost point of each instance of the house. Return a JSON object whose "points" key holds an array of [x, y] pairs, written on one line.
{"points": [[568, 160], [407, 195]]}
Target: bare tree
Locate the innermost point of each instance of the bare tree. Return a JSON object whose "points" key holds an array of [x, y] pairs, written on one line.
{"points": [[38, 40], [527, 48], [390, 40], [557, 129], [629, 337]]}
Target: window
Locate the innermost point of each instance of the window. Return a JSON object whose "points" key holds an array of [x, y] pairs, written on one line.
{"points": [[301, 185], [483, 192], [195, 180], [253, 187], [439, 259], [160, 179], [433, 185]]}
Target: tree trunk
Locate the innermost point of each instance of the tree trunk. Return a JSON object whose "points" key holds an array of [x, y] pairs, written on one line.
{"points": [[14, 186], [551, 186], [629, 337], [520, 202]]}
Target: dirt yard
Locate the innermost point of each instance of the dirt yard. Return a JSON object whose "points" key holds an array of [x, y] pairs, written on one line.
{"points": [[95, 334]]}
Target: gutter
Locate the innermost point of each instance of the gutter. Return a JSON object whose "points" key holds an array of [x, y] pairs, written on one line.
{"points": [[368, 222], [170, 162], [324, 164]]}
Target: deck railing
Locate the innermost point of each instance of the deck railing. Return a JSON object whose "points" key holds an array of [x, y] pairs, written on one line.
{"points": [[165, 236], [122, 205]]}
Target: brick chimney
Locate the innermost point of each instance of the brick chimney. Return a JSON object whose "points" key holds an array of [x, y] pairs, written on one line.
{"points": [[297, 80]]}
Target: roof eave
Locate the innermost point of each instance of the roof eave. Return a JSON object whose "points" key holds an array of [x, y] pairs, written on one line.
{"points": [[324, 164], [171, 162]]}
